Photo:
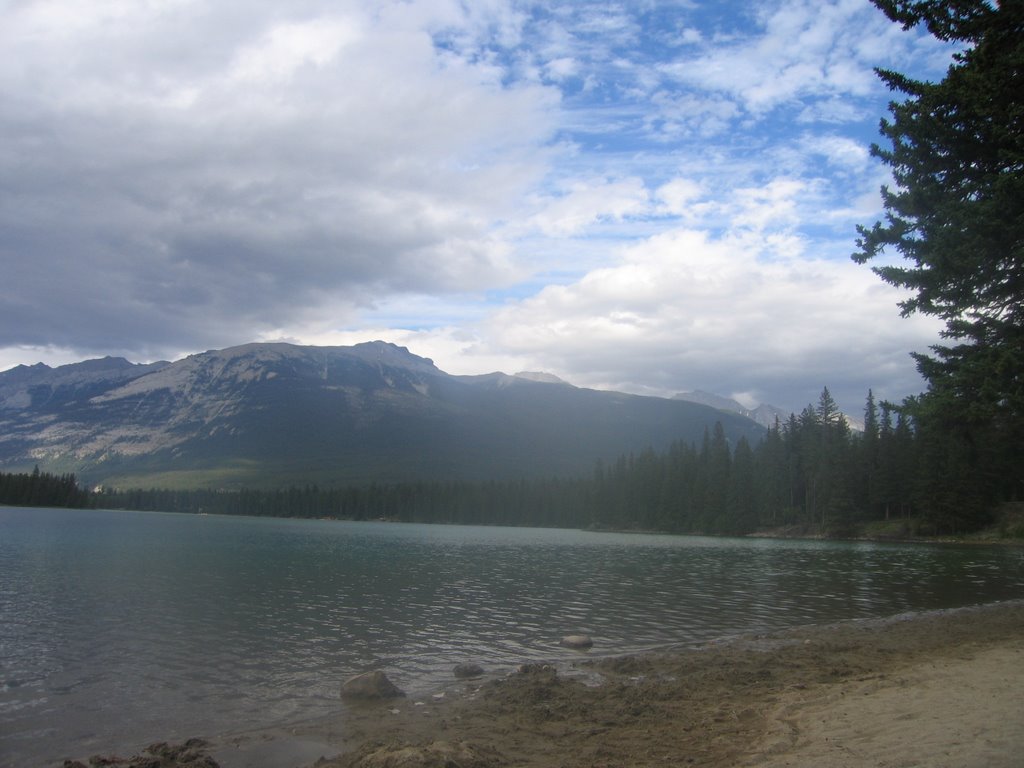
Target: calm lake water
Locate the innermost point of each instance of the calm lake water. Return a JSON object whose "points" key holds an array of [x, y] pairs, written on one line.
{"points": [[122, 628]]}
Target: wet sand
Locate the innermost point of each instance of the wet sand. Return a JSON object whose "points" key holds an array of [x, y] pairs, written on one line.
{"points": [[935, 689]]}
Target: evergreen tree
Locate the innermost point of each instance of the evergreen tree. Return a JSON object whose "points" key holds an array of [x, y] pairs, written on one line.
{"points": [[810, 462], [956, 216], [831, 465], [794, 439], [772, 486], [827, 412], [42, 489], [741, 511], [868, 482], [716, 461]]}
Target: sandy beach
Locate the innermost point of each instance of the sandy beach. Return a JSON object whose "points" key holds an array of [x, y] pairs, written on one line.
{"points": [[935, 689]]}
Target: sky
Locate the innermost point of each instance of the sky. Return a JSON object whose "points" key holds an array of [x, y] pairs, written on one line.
{"points": [[651, 197]]}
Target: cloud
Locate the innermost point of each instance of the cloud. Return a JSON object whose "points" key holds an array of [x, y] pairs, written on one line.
{"points": [[681, 115], [679, 196], [310, 158], [587, 201], [684, 311], [562, 68], [646, 196], [279, 54], [798, 50]]}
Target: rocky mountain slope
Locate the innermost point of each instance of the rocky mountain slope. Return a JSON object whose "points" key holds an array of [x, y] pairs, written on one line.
{"points": [[275, 414]]}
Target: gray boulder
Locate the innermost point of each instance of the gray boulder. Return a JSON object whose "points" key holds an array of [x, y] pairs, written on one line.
{"points": [[370, 686], [579, 642], [468, 670]]}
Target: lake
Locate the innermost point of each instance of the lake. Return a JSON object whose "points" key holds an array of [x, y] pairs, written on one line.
{"points": [[122, 628]]}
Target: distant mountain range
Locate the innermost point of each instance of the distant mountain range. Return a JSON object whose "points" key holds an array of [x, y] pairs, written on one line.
{"points": [[764, 414], [269, 415]]}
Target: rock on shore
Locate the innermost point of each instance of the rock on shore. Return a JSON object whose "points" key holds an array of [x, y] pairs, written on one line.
{"points": [[370, 686], [579, 642], [467, 669]]}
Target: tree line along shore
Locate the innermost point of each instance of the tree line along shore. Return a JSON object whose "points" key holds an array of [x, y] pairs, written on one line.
{"points": [[809, 475]]}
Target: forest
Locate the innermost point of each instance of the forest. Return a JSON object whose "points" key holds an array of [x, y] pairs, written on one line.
{"points": [[43, 489], [810, 474]]}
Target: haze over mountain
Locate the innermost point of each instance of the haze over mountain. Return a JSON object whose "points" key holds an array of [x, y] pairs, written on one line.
{"points": [[764, 414], [275, 414]]}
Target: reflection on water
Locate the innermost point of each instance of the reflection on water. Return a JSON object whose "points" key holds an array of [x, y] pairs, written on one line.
{"points": [[124, 628]]}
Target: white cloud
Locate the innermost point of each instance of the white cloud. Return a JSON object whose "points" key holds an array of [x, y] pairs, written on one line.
{"points": [[681, 115], [683, 311], [53, 356], [278, 55], [588, 201], [803, 48], [773, 206], [679, 196], [562, 68], [839, 151], [690, 36], [455, 349]]}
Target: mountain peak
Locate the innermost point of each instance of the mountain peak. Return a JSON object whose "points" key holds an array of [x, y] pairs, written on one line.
{"points": [[708, 398], [544, 378], [386, 353], [107, 363]]}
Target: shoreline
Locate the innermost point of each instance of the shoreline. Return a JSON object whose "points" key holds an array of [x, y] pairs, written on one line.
{"points": [[936, 688], [862, 533]]}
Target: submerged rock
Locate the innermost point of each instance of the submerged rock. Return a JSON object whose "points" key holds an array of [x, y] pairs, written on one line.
{"points": [[457, 754], [579, 642], [369, 686], [468, 670]]}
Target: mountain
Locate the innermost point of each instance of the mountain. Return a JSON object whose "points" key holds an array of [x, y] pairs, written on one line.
{"points": [[267, 415], [19, 385], [763, 414]]}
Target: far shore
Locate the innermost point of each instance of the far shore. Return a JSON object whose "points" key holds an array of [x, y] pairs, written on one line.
{"points": [[1008, 531], [941, 688]]}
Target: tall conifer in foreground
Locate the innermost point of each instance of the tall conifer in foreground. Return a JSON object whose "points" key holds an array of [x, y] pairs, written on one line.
{"points": [[956, 216]]}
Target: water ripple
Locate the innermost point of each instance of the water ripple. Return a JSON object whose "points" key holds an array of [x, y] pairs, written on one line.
{"points": [[124, 628]]}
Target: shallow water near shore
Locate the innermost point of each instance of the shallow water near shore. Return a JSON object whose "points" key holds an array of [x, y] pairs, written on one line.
{"points": [[123, 628]]}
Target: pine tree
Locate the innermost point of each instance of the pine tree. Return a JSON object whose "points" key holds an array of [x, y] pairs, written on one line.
{"points": [[772, 478], [741, 514], [956, 216], [869, 448]]}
